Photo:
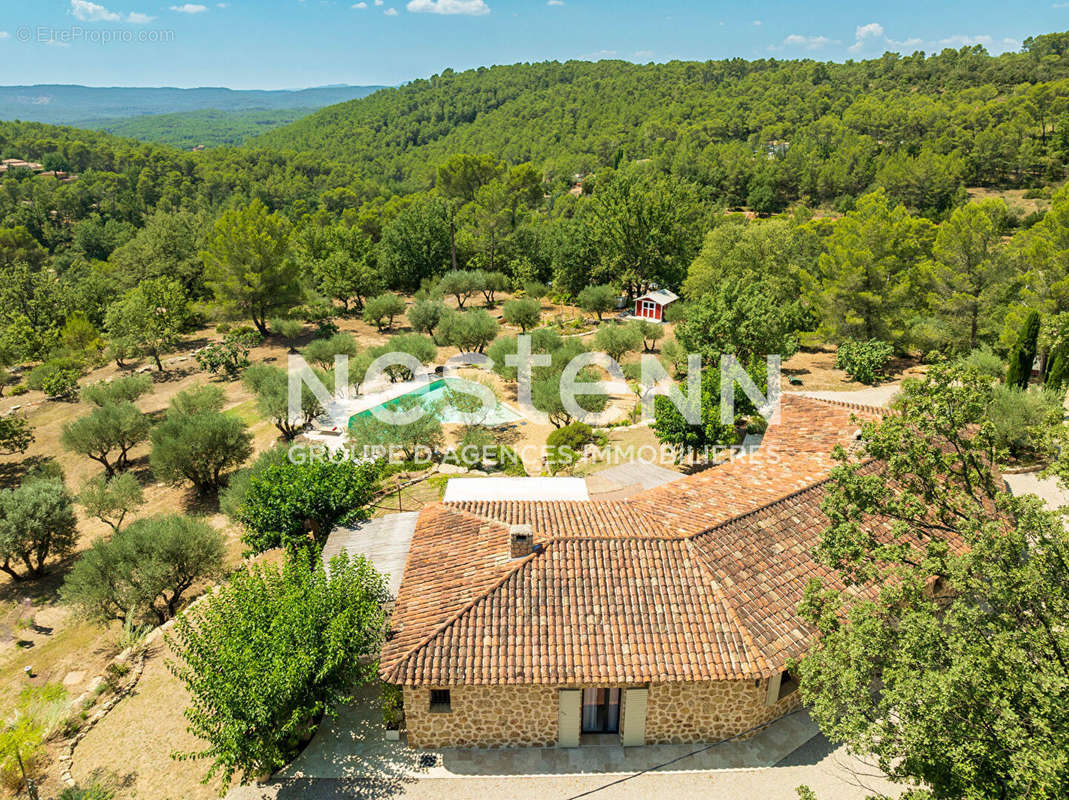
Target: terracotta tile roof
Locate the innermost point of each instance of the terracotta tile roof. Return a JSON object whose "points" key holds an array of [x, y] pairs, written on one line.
{"points": [[695, 580], [609, 518]]}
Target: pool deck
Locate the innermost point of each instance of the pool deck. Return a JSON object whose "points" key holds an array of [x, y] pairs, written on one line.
{"points": [[330, 427]]}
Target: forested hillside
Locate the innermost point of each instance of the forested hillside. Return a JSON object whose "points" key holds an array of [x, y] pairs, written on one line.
{"points": [[960, 116], [66, 104], [208, 127], [870, 161]]}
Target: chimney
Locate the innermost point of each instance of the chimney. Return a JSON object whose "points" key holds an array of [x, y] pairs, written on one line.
{"points": [[521, 541]]}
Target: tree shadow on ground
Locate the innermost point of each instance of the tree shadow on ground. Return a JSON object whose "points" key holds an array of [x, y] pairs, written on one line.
{"points": [[812, 752]]}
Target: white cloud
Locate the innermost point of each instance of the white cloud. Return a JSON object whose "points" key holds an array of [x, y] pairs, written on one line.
{"points": [[865, 34], [5, 35], [644, 54], [471, 8], [758, 22], [554, 2], [379, 2], [190, 8], [360, 5], [390, 12], [137, 18], [91, 12], [222, 5], [598, 55], [912, 41], [805, 42]]}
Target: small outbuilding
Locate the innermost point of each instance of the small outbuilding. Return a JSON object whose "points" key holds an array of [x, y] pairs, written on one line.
{"points": [[652, 304]]}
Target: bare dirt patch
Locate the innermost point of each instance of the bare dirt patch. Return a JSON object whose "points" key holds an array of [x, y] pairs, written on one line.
{"points": [[816, 369]]}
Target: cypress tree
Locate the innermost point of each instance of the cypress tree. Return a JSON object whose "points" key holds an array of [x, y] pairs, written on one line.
{"points": [[1024, 352]]}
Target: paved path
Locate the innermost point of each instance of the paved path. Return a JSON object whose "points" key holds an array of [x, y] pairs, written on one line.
{"points": [[384, 541], [1046, 489], [623, 480], [873, 396]]}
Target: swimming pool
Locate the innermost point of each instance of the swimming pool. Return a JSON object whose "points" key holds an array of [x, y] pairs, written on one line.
{"points": [[430, 394]]}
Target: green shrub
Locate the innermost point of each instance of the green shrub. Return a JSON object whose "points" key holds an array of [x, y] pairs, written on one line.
{"points": [[565, 445], [230, 356], [863, 361], [19, 389], [57, 377], [393, 711], [1021, 417], [121, 390], [983, 361]]}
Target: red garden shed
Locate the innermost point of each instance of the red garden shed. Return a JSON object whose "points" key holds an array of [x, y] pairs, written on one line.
{"points": [[652, 304]]}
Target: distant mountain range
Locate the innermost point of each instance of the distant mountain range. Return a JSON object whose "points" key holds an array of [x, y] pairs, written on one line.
{"points": [[87, 106]]}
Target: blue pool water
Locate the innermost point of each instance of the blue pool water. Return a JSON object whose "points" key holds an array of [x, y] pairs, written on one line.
{"points": [[434, 392]]}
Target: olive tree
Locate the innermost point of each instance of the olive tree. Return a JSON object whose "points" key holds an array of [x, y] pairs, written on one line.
{"points": [[36, 523], [107, 434], [270, 384], [525, 313], [111, 499], [470, 331], [597, 300], [380, 311], [197, 442], [617, 341], [143, 571], [323, 351]]}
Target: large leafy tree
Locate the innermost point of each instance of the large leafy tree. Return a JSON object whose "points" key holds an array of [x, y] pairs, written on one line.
{"points": [[248, 264], [166, 247], [968, 276], [415, 245], [951, 672], [149, 318], [271, 652], [297, 505], [739, 317], [648, 230], [864, 290], [694, 441]]}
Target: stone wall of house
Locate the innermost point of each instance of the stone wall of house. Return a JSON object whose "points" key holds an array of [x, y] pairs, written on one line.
{"points": [[483, 716], [526, 716], [677, 713]]}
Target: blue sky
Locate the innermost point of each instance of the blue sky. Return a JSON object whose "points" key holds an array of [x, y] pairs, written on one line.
{"points": [[273, 44]]}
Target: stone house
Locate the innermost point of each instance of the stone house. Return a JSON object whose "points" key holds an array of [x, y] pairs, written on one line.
{"points": [[667, 617]]}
